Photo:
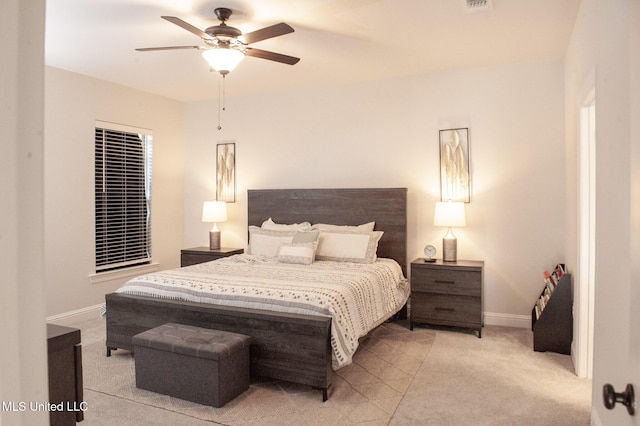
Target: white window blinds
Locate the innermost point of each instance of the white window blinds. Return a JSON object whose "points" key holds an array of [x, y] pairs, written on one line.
{"points": [[122, 197]]}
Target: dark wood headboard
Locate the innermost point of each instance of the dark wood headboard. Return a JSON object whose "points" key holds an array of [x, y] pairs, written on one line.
{"points": [[342, 206]]}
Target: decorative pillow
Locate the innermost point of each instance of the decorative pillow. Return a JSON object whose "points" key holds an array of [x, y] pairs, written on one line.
{"points": [[328, 227], [348, 246], [270, 224], [299, 253], [306, 236], [266, 242]]}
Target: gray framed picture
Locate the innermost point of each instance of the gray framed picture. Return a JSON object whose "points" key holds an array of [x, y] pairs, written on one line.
{"points": [[455, 176], [226, 172]]}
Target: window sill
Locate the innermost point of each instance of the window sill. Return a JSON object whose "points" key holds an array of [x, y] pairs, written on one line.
{"points": [[120, 274]]}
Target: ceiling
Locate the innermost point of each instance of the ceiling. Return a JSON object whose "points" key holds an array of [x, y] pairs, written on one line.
{"points": [[338, 41]]}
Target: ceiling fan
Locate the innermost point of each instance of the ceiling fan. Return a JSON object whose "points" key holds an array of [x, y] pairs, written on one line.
{"points": [[226, 46]]}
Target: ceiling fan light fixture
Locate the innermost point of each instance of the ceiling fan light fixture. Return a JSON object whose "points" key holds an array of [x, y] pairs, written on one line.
{"points": [[223, 59]]}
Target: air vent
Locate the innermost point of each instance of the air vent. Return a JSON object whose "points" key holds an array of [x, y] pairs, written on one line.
{"points": [[476, 6]]}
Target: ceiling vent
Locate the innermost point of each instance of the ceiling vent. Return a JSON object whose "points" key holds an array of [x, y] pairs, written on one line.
{"points": [[476, 6]]}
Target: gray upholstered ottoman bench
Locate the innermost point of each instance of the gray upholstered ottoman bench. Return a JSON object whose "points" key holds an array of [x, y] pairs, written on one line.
{"points": [[209, 367]]}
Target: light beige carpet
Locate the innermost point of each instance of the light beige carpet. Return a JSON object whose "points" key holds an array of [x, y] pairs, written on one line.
{"points": [[496, 380], [369, 390]]}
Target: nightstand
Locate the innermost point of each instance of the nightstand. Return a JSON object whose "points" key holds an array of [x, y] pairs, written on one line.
{"points": [[447, 293], [64, 360], [196, 255]]}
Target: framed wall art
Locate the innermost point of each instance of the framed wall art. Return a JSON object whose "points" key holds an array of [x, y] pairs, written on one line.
{"points": [[226, 172], [455, 179]]}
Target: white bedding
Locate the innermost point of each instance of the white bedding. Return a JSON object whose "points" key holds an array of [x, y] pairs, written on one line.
{"points": [[358, 297]]}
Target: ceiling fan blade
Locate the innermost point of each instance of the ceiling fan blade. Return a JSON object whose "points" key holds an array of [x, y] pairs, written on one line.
{"points": [[148, 49], [187, 26], [278, 57], [267, 32]]}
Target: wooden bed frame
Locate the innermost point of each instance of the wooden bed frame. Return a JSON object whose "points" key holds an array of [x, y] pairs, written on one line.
{"points": [[288, 347]]}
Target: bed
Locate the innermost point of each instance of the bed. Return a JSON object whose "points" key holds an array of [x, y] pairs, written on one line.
{"points": [[294, 347]]}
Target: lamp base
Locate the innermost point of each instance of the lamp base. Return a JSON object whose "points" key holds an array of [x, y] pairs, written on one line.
{"points": [[450, 247], [214, 240]]}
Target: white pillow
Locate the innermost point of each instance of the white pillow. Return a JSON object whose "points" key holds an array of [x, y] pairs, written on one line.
{"points": [[328, 227], [348, 246], [299, 253], [306, 236], [270, 224], [266, 242]]}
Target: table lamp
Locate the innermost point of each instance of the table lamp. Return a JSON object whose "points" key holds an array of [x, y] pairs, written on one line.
{"points": [[449, 214], [214, 211]]}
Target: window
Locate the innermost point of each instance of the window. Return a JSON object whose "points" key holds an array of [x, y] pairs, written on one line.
{"points": [[122, 196]]}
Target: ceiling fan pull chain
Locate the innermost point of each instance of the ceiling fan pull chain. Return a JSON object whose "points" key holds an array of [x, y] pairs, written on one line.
{"points": [[219, 102], [224, 92]]}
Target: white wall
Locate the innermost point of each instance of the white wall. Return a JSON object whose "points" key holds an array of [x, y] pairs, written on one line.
{"points": [[23, 359], [72, 105], [600, 43], [367, 134], [385, 134]]}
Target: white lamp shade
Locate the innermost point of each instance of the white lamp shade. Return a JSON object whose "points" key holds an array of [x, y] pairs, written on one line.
{"points": [[449, 213], [214, 211], [223, 59]]}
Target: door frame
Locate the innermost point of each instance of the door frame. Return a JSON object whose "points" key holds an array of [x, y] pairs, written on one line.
{"points": [[584, 290]]}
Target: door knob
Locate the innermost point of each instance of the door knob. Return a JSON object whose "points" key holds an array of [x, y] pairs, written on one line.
{"points": [[627, 398]]}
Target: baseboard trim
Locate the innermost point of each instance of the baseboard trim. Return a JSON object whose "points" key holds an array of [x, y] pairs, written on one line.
{"points": [[90, 312], [507, 320], [71, 317]]}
